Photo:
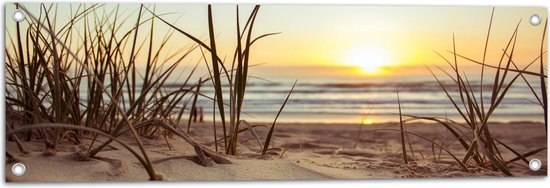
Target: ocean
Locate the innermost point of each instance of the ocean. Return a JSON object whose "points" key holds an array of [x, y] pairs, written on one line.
{"points": [[323, 98], [351, 99]]}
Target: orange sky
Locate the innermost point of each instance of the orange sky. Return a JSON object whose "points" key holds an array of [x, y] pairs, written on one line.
{"points": [[328, 35]]}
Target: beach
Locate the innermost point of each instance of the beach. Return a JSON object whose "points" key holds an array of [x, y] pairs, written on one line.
{"points": [[109, 92], [299, 152]]}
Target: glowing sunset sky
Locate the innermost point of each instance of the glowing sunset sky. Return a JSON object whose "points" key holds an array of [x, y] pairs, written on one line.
{"points": [[382, 38]]}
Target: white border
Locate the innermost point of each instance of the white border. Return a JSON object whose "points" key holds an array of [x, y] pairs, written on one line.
{"points": [[424, 183]]}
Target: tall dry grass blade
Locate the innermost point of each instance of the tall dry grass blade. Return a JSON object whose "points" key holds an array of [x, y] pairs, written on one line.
{"points": [[497, 78], [198, 41], [262, 36], [455, 67], [148, 65], [132, 86], [270, 133], [450, 98], [214, 100], [234, 91], [539, 101], [472, 101], [216, 70], [246, 55], [218, 158], [543, 80], [404, 150], [253, 132], [462, 88], [508, 63], [483, 63], [514, 151], [453, 131], [526, 155], [193, 113], [502, 68]]}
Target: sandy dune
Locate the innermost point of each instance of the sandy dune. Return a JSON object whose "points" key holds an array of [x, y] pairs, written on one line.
{"points": [[301, 151]]}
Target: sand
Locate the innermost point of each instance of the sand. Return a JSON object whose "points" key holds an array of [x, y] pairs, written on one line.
{"points": [[301, 151]]}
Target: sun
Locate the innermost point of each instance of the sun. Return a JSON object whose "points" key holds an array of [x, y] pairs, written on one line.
{"points": [[371, 60], [368, 121]]}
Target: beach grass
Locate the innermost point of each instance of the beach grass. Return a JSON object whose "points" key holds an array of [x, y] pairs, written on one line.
{"points": [[480, 145], [49, 65], [236, 76], [481, 148]]}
